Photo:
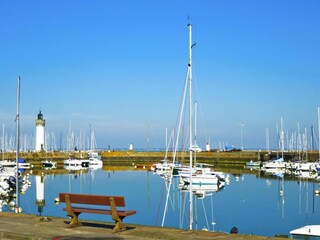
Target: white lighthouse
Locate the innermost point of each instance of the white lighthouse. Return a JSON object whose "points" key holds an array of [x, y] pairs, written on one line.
{"points": [[40, 123]]}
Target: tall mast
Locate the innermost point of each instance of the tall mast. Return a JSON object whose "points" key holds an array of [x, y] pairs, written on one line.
{"points": [[281, 137], [90, 139], [190, 124], [319, 131], [18, 147], [3, 142]]}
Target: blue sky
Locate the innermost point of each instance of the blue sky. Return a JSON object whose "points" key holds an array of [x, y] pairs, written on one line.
{"points": [[120, 66]]}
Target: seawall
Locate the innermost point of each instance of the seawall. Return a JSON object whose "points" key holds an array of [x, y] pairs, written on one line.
{"points": [[129, 157]]}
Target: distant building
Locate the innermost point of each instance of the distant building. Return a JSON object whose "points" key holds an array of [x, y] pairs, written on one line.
{"points": [[40, 123], [208, 148], [131, 147]]}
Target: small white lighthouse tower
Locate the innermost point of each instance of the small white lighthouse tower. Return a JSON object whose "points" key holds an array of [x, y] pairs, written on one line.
{"points": [[40, 123]]}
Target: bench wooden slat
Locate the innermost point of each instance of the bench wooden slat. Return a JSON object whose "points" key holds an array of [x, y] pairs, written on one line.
{"points": [[123, 213], [93, 199]]}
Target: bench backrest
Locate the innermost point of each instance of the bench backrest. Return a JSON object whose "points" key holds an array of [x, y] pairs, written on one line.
{"points": [[92, 199]]}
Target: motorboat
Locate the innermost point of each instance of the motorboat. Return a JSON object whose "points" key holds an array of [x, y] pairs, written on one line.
{"points": [[72, 161], [8, 163], [22, 163], [49, 164], [252, 163], [74, 167], [308, 166], [308, 230], [94, 159]]}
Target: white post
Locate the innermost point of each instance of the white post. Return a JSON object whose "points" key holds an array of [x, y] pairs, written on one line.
{"points": [[17, 147], [241, 125]]}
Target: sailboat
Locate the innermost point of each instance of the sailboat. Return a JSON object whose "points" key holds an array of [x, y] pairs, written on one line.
{"points": [[309, 230], [199, 177], [11, 163], [278, 163], [202, 175], [195, 179], [95, 161], [73, 163], [48, 163], [166, 166]]}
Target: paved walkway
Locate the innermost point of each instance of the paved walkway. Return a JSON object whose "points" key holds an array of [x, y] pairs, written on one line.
{"points": [[22, 226]]}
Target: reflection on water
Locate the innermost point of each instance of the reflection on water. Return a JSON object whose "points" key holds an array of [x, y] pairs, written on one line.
{"points": [[252, 202]]}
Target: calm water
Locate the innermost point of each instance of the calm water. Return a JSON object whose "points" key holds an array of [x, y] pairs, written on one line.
{"points": [[252, 203]]}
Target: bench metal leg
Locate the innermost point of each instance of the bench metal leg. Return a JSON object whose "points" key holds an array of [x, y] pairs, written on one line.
{"points": [[74, 216], [119, 225], [75, 220]]}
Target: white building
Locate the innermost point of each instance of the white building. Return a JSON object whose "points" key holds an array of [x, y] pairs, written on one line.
{"points": [[40, 123]]}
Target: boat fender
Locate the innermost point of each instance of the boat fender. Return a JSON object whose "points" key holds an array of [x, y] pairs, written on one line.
{"points": [[56, 201]]}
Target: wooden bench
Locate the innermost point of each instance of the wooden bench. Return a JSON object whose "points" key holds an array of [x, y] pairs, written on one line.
{"points": [[74, 206]]}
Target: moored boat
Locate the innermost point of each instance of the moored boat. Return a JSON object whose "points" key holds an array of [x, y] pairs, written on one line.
{"points": [[201, 177], [72, 161], [308, 230], [252, 163], [274, 163], [94, 159], [49, 164]]}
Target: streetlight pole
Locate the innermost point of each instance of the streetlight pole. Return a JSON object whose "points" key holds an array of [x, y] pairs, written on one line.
{"points": [[241, 125]]}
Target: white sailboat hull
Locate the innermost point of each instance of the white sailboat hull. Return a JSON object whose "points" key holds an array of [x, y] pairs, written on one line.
{"points": [[72, 162], [202, 180], [76, 162], [278, 163]]}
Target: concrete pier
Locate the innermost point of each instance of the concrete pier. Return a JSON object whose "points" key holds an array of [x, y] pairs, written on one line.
{"points": [[22, 226], [135, 157]]}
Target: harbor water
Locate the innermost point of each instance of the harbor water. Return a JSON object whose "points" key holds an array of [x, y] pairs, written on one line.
{"points": [[254, 203]]}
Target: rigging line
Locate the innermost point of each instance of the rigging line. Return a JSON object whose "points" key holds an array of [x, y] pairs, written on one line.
{"points": [[201, 112], [205, 213], [179, 123], [168, 189], [159, 205], [212, 216], [169, 143], [315, 139], [177, 138], [183, 203]]}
